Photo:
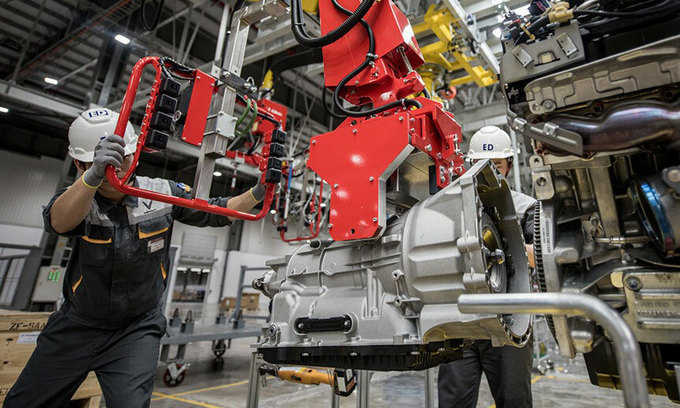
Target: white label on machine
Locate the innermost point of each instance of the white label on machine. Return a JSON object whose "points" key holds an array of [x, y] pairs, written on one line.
{"points": [[28, 338]]}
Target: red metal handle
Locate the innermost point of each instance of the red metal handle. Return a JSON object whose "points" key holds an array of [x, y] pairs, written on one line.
{"points": [[317, 226], [122, 183]]}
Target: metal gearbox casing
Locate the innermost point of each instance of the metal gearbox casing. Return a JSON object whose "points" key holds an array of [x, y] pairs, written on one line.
{"points": [[397, 294]]}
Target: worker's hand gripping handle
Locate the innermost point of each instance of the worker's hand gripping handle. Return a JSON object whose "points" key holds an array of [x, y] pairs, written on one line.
{"points": [[121, 184]]}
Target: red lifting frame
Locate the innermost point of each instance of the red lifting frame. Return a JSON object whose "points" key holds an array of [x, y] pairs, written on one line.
{"points": [[122, 184]]}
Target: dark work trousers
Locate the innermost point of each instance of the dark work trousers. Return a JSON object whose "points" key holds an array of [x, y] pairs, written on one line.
{"points": [[124, 361], [508, 370]]}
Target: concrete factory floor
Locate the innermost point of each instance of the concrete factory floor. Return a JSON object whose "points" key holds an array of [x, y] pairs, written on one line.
{"points": [[567, 386]]}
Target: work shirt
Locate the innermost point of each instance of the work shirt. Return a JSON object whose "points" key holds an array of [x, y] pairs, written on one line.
{"points": [[120, 254]]}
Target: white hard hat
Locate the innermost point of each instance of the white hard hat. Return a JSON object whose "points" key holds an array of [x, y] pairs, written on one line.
{"points": [[90, 127], [490, 142]]}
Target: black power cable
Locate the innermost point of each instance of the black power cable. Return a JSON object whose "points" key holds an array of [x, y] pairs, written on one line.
{"points": [[305, 39], [659, 8], [370, 57], [544, 20]]}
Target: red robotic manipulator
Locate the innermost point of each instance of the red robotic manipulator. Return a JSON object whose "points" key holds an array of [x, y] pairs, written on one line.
{"points": [[358, 157]]}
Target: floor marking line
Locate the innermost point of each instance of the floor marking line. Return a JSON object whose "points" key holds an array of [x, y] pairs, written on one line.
{"points": [[188, 401], [551, 377], [217, 387]]}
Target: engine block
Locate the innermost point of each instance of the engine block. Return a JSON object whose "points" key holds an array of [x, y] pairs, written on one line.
{"points": [[602, 120]]}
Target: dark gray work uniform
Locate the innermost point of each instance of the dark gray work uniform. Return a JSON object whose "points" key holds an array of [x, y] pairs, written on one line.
{"points": [[111, 322], [508, 369]]}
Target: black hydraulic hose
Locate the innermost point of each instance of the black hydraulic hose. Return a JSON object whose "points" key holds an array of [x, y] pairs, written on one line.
{"points": [[325, 106], [545, 20], [360, 114], [370, 56], [300, 59], [427, 93], [659, 8], [303, 37]]}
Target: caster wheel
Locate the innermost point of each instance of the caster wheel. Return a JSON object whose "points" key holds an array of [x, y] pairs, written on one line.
{"points": [[219, 348], [173, 382], [218, 364]]}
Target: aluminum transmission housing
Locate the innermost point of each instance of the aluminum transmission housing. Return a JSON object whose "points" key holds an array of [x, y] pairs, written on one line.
{"points": [[390, 303]]}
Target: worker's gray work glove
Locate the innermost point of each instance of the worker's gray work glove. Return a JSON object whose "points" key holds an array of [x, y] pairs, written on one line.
{"points": [[258, 192], [110, 150]]}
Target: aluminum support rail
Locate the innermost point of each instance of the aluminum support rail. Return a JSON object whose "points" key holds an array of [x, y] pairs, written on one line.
{"points": [[628, 356]]}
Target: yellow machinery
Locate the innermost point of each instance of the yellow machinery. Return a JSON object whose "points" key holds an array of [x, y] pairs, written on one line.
{"points": [[342, 381], [449, 53]]}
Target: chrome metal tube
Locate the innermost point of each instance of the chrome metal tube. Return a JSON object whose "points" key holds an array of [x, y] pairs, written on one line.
{"points": [[628, 356]]}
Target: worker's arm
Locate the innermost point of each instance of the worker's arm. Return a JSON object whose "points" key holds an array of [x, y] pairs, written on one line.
{"points": [[243, 202], [71, 207]]}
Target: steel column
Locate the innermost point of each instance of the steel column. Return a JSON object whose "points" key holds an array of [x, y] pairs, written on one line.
{"points": [[430, 382], [254, 383], [363, 387], [215, 145]]}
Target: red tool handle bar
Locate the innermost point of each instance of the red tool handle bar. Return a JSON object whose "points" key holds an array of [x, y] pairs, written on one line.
{"points": [[315, 232], [122, 183]]}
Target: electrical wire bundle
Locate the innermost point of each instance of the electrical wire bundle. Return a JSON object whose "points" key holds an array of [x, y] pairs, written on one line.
{"points": [[251, 113], [591, 18], [353, 19]]}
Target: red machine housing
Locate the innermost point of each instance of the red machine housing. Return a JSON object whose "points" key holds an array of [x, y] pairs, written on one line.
{"points": [[389, 78], [358, 157], [199, 107]]}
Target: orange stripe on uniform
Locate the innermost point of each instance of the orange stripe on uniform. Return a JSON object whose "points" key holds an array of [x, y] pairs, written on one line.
{"points": [[75, 285], [143, 235], [96, 241], [165, 274]]}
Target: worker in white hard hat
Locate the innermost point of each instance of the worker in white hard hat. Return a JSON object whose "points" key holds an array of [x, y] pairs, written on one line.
{"points": [[508, 368], [111, 320]]}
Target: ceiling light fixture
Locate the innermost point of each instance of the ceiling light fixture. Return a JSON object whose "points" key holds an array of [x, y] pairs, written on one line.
{"points": [[122, 39]]}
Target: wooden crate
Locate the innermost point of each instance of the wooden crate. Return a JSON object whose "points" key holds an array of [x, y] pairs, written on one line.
{"points": [[249, 301], [18, 332]]}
